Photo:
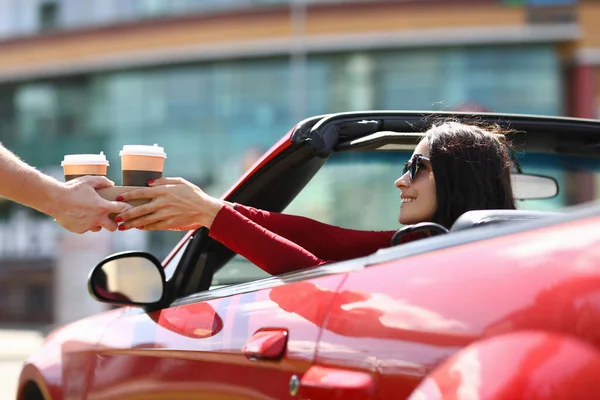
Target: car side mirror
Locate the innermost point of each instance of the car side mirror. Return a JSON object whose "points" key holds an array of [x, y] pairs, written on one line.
{"points": [[128, 278]]}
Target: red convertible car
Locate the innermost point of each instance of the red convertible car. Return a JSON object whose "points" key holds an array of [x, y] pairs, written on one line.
{"points": [[506, 305]]}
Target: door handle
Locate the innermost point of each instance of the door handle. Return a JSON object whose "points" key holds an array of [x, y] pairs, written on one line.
{"points": [[334, 383], [266, 344]]}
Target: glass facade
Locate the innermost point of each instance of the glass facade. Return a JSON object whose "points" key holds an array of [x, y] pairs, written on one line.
{"points": [[497, 79], [214, 117]]}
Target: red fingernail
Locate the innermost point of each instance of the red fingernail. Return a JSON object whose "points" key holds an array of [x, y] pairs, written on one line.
{"points": [[121, 227], [150, 182], [140, 227], [118, 219], [120, 198]]}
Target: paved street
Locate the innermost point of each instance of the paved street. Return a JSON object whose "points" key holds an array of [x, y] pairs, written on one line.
{"points": [[15, 347]]}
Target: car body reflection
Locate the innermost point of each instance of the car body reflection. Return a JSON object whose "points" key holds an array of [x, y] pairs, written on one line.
{"points": [[373, 315], [196, 321]]}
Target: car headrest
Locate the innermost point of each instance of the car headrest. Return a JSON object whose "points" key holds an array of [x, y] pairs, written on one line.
{"points": [[472, 219]]}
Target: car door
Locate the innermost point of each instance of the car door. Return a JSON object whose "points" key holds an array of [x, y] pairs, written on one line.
{"points": [[242, 341]]}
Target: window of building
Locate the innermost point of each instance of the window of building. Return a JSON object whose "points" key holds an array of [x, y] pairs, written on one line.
{"points": [[512, 79], [49, 13], [37, 299]]}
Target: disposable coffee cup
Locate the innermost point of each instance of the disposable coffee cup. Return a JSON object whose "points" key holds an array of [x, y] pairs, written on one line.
{"points": [[76, 165], [140, 164]]}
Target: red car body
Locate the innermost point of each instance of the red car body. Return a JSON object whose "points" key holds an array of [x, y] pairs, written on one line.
{"points": [[497, 312]]}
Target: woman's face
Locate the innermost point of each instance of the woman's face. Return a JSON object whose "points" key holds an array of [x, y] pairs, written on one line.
{"points": [[417, 196]]}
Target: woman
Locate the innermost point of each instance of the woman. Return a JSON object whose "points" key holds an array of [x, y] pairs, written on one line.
{"points": [[455, 168]]}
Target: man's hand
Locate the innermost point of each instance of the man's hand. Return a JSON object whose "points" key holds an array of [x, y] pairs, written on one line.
{"points": [[80, 208]]}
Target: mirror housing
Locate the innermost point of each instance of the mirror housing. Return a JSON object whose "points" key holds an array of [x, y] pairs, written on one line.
{"points": [[533, 187], [130, 278]]}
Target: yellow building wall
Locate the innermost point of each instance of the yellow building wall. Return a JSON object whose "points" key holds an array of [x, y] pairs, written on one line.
{"points": [[589, 17], [249, 26]]}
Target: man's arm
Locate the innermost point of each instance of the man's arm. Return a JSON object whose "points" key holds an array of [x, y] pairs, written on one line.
{"points": [[26, 185], [74, 204]]}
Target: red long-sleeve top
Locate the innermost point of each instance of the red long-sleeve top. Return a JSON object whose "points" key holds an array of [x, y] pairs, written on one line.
{"points": [[279, 243]]}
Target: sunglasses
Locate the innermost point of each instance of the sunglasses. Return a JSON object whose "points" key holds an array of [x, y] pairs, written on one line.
{"points": [[413, 165]]}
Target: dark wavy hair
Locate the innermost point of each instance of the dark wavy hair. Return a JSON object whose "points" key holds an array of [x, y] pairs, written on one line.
{"points": [[472, 169]]}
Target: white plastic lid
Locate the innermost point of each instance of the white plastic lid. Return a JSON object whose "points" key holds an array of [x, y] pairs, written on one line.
{"points": [[143, 150], [85, 159]]}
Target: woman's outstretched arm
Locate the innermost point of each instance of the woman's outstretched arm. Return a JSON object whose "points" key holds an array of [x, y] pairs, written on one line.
{"points": [[271, 252], [179, 205], [323, 240]]}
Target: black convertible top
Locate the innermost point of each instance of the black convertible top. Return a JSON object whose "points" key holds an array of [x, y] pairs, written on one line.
{"points": [[352, 130]]}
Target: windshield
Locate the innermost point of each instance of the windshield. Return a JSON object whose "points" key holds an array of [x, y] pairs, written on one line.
{"points": [[356, 190]]}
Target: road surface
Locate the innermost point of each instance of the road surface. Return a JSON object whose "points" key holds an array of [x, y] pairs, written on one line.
{"points": [[15, 347]]}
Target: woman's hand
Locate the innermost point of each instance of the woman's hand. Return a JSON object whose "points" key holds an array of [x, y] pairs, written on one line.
{"points": [[176, 204]]}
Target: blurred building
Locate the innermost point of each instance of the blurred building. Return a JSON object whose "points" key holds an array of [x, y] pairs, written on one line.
{"points": [[212, 80]]}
